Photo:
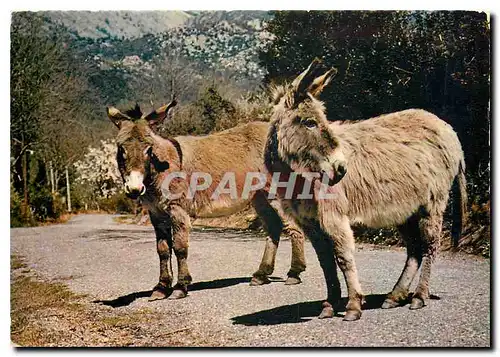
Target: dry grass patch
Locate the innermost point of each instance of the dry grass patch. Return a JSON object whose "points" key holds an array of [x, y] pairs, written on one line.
{"points": [[63, 218], [125, 219], [48, 314], [29, 298]]}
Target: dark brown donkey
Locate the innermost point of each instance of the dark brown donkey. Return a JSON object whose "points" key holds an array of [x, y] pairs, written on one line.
{"points": [[397, 170], [145, 160]]}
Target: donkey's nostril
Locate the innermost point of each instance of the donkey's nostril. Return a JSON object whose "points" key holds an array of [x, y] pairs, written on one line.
{"points": [[341, 170]]}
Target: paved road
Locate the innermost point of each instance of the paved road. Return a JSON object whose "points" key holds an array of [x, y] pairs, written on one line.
{"points": [[118, 263]]}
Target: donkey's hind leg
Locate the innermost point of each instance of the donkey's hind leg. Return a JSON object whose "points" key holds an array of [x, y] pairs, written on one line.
{"points": [[410, 232], [430, 228], [273, 225]]}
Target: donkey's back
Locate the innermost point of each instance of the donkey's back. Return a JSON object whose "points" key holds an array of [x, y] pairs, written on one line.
{"points": [[238, 149], [397, 164]]}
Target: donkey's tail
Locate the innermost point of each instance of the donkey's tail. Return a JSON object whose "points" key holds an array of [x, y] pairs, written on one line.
{"points": [[459, 205]]}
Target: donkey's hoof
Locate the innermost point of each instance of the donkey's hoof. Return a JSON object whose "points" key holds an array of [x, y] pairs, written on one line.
{"points": [[256, 281], [417, 303], [158, 295], [327, 311], [389, 304], [293, 280], [352, 315], [178, 294]]}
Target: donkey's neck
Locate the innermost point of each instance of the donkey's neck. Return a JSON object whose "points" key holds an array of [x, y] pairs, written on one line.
{"points": [[272, 158], [167, 150], [166, 157]]}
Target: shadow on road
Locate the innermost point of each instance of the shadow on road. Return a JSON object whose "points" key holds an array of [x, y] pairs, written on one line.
{"points": [[125, 299], [126, 235], [300, 312], [201, 285], [304, 311]]}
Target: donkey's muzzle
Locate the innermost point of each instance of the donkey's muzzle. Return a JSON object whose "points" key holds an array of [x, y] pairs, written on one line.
{"points": [[135, 193], [134, 186]]}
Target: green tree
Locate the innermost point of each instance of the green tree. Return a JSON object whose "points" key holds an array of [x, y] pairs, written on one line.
{"points": [[217, 113], [53, 111], [32, 65]]}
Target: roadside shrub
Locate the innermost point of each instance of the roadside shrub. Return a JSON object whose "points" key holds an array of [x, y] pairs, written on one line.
{"points": [[212, 112], [217, 113], [45, 205], [477, 236], [117, 203], [385, 236], [16, 219]]}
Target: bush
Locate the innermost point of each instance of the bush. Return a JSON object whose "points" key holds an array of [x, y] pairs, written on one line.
{"points": [[16, 219], [118, 203], [217, 113], [213, 112], [46, 205], [477, 236], [385, 236]]}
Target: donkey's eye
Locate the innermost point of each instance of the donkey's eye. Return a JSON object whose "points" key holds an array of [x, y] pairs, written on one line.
{"points": [[310, 123]]}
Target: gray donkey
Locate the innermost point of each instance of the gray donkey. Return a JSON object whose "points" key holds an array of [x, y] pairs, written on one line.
{"points": [[145, 159], [392, 170]]}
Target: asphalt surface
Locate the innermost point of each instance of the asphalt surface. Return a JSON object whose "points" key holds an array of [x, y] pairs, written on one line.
{"points": [[118, 264]]}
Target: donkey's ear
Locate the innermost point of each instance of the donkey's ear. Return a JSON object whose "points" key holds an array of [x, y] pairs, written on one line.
{"points": [[301, 84], [157, 116], [116, 116], [321, 82]]}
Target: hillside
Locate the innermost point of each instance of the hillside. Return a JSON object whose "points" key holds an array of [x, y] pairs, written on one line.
{"points": [[124, 45], [119, 24], [133, 24]]}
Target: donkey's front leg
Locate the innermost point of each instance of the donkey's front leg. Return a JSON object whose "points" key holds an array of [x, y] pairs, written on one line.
{"points": [[344, 246], [181, 225], [163, 230], [323, 246]]}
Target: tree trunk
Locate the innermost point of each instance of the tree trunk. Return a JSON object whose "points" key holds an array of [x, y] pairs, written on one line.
{"points": [[25, 205], [52, 184], [68, 190], [47, 172]]}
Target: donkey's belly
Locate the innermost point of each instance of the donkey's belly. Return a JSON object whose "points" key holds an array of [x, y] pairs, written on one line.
{"points": [[221, 208], [385, 216]]}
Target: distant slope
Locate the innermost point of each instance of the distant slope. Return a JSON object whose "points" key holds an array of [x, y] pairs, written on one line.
{"points": [[133, 24], [120, 24], [124, 48], [251, 20]]}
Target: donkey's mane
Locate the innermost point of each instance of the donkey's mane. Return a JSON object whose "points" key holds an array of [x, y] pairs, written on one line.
{"points": [[136, 131], [134, 113], [277, 91]]}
